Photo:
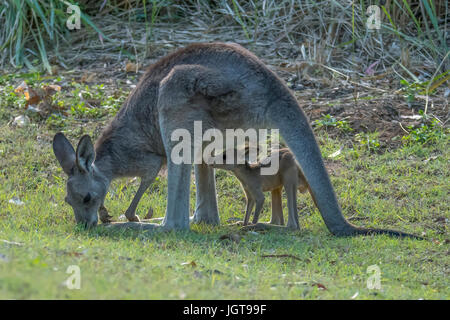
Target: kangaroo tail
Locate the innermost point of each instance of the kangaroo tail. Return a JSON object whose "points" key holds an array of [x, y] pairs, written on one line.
{"points": [[286, 114]]}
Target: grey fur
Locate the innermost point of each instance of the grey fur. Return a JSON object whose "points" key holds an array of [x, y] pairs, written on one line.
{"points": [[224, 86]]}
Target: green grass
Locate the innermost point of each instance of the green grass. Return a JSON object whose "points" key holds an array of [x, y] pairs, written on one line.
{"points": [[404, 189]]}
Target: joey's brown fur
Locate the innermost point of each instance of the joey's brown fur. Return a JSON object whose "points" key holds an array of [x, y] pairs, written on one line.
{"points": [[225, 87], [289, 176]]}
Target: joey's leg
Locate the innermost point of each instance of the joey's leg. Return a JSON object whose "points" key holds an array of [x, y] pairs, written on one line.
{"points": [[277, 209], [206, 200], [249, 208], [291, 192], [259, 200]]}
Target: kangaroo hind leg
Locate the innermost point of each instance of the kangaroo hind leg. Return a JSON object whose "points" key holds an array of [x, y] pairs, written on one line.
{"points": [[277, 208], [182, 104]]}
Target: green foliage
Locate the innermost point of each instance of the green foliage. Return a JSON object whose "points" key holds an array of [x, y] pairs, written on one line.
{"points": [[429, 132], [31, 27], [55, 122], [368, 141], [330, 121], [411, 89]]}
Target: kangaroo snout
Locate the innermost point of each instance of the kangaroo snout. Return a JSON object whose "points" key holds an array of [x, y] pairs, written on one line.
{"points": [[89, 224], [87, 221]]}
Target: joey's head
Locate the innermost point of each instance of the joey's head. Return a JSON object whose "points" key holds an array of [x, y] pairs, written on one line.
{"points": [[86, 185], [229, 160]]}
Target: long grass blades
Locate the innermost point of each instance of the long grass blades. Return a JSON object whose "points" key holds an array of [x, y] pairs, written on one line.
{"points": [[32, 30], [322, 32]]}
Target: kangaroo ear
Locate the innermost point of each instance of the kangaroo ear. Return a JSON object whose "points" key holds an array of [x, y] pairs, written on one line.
{"points": [[64, 152], [85, 154]]}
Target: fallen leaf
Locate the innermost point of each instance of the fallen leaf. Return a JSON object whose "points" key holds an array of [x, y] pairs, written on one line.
{"points": [[11, 242], [87, 77], [21, 121], [319, 285], [51, 89], [131, 67], [430, 158], [191, 263], [16, 201], [41, 97], [336, 153], [30, 94], [413, 117]]}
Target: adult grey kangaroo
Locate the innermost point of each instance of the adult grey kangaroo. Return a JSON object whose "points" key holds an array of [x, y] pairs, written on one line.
{"points": [[222, 85]]}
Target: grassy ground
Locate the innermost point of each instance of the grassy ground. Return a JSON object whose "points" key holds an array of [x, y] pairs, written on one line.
{"points": [[406, 189]]}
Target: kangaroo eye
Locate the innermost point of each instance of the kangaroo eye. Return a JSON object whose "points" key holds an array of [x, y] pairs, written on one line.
{"points": [[87, 198]]}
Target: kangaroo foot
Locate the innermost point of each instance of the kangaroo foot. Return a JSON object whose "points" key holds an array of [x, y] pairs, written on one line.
{"points": [[132, 217], [104, 215], [149, 213]]}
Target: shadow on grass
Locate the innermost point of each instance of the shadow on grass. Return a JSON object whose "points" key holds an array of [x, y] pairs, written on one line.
{"points": [[228, 235]]}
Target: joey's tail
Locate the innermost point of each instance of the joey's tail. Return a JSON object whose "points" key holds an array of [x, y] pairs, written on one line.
{"points": [[296, 131]]}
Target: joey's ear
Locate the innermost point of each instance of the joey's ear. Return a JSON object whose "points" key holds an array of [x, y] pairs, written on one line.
{"points": [[85, 155], [247, 165], [64, 152]]}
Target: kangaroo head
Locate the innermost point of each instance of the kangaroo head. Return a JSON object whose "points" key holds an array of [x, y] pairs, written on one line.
{"points": [[86, 185]]}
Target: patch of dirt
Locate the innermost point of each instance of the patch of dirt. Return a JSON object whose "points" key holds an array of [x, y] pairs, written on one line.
{"points": [[334, 168], [386, 113]]}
